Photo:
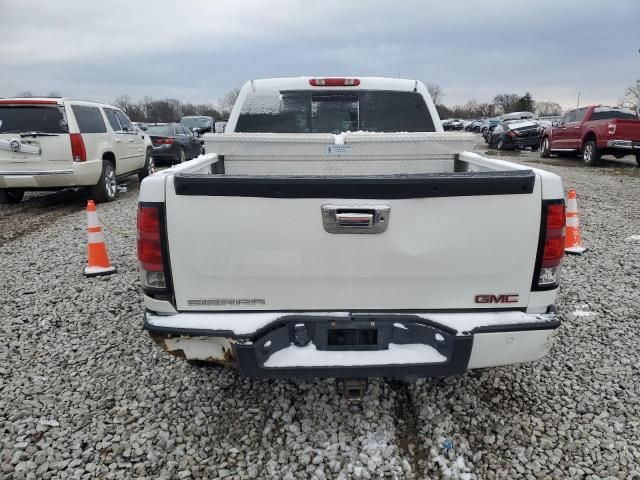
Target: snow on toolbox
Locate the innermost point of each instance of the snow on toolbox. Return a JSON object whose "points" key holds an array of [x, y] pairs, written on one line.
{"points": [[401, 256]]}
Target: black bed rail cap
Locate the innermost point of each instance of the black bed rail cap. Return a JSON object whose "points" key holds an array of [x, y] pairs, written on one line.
{"points": [[457, 184]]}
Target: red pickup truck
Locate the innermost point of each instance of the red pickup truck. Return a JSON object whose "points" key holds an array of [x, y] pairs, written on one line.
{"points": [[594, 131]]}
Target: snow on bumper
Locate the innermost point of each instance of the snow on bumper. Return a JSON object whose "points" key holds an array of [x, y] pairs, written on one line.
{"points": [[344, 344]]}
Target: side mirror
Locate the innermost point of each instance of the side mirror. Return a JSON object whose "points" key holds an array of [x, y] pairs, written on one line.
{"points": [[143, 127], [555, 123]]}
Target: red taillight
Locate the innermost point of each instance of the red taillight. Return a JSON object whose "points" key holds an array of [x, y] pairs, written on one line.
{"points": [[334, 82], [149, 247], [554, 239], [152, 269], [163, 141], [611, 129], [553, 251], [78, 151]]}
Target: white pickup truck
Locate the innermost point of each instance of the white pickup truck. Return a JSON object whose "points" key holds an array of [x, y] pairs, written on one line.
{"points": [[337, 231]]}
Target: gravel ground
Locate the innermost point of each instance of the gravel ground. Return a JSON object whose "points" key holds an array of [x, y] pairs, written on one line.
{"points": [[84, 392]]}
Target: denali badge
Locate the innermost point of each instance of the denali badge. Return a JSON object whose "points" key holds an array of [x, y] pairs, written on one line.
{"points": [[227, 301], [501, 298]]}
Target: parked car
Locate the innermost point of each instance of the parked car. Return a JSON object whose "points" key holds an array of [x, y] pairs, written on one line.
{"points": [[544, 123], [198, 124], [283, 268], [486, 132], [489, 122], [173, 143], [594, 131], [220, 126], [55, 143], [518, 116], [453, 124], [518, 134], [474, 126]]}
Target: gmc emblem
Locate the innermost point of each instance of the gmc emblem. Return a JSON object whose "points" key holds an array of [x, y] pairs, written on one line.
{"points": [[502, 298]]}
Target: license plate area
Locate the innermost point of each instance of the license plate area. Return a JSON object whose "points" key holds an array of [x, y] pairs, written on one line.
{"points": [[352, 337]]}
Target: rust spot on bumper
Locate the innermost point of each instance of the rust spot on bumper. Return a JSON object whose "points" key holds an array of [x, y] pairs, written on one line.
{"points": [[226, 360]]}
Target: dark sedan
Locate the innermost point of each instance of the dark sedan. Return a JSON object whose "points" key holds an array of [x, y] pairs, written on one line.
{"points": [[173, 143], [474, 126], [452, 124], [518, 134], [198, 124]]}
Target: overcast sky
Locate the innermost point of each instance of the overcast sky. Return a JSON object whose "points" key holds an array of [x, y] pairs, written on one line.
{"points": [[198, 50]]}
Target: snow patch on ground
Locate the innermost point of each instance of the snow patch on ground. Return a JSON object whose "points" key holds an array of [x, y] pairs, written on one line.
{"points": [[454, 469], [633, 238], [583, 310]]}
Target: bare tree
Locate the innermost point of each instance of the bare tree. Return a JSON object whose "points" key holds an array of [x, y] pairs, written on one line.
{"points": [[229, 99], [25, 94], [134, 110], [506, 102], [54, 94], [471, 109], [486, 110], [632, 96], [436, 92], [548, 109]]}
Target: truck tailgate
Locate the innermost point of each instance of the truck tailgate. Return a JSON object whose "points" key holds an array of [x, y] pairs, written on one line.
{"points": [[262, 243], [627, 129]]}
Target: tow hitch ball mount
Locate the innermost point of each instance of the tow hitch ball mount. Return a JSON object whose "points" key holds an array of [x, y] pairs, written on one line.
{"points": [[353, 389]]}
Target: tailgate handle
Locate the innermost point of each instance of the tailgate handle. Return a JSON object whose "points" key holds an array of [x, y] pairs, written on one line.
{"points": [[352, 219], [355, 218]]}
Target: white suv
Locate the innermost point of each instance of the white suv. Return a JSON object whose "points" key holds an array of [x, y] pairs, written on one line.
{"points": [[54, 143]]}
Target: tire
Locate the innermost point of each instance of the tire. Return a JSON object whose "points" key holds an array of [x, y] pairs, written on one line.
{"points": [[500, 145], [535, 148], [145, 171], [11, 195], [545, 148], [638, 158], [180, 157], [590, 153], [106, 190]]}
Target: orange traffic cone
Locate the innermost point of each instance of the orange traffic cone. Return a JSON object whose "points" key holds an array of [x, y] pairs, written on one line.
{"points": [[99, 263], [572, 242]]}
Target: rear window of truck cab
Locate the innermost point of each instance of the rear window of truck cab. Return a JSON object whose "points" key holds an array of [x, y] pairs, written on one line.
{"points": [[304, 111], [33, 118], [607, 113]]}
